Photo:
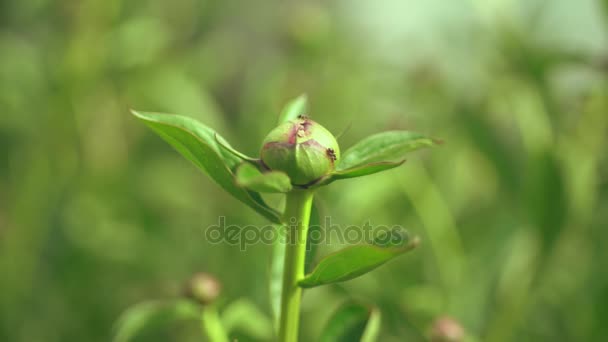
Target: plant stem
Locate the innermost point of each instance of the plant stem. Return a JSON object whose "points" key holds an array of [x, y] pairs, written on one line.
{"points": [[212, 326], [296, 219]]}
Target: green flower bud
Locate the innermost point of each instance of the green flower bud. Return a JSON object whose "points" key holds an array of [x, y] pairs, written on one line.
{"points": [[303, 149]]}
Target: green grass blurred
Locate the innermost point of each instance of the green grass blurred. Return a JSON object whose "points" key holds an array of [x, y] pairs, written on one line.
{"points": [[97, 213]]}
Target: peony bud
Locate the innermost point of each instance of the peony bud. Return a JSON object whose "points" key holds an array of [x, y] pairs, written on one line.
{"points": [[301, 148], [447, 329], [203, 288]]}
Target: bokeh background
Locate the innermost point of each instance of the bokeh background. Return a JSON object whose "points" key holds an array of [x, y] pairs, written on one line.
{"points": [[97, 213]]}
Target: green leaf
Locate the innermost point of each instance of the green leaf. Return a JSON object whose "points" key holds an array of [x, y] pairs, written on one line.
{"points": [[294, 108], [362, 170], [226, 146], [211, 326], [152, 314], [353, 262], [352, 322], [383, 147], [314, 227], [197, 143], [243, 316], [248, 176]]}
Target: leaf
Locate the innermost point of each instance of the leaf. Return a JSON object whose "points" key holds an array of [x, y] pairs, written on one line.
{"points": [[197, 143], [226, 146], [294, 108], [250, 177], [243, 316], [353, 262], [211, 326], [352, 322], [314, 227], [363, 170], [383, 147], [152, 314]]}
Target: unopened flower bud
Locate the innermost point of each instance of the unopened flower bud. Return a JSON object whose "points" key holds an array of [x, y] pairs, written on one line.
{"points": [[303, 149], [446, 329], [203, 288]]}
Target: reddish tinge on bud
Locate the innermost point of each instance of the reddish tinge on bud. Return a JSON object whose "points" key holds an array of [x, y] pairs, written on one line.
{"points": [[203, 288], [447, 329], [303, 149]]}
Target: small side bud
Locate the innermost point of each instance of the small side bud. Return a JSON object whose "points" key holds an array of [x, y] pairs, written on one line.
{"points": [[203, 288], [446, 329]]}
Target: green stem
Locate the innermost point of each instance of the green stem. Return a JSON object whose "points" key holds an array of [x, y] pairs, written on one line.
{"points": [[296, 219], [212, 326]]}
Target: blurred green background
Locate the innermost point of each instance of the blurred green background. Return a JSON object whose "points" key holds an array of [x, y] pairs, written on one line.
{"points": [[97, 213]]}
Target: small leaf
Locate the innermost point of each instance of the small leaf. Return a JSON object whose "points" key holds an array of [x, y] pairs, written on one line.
{"points": [[250, 177], [352, 322], [152, 314], [294, 108], [197, 143], [353, 262], [383, 147]]}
